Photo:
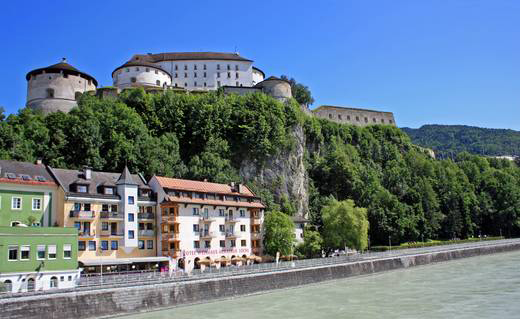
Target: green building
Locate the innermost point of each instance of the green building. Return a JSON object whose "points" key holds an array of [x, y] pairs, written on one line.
{"points": [[33, 254]]}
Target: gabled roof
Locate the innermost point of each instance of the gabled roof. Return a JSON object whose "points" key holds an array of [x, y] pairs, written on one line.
{"points": [[144, 63], [203, 187], [346, 108], [68, 177], [35, 174], [126, 178], [176, 56], [214, 202], [64, 67]]}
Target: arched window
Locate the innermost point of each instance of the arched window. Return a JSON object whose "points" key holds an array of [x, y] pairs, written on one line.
{"points": [[30, 284], [77, 96], [15, 223], [50, 93], [8, 286], [133, 80], [158, 83], [54, 282]]}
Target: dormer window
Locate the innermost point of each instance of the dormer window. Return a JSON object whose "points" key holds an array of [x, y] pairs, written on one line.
{"points": [[81, 188], [109, 191]]}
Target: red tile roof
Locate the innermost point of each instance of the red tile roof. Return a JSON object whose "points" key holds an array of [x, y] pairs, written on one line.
{"points": [[213, 202], [203, 187]]}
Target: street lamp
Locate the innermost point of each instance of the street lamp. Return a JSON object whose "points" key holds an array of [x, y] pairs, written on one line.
{"points": [[390, 242]]}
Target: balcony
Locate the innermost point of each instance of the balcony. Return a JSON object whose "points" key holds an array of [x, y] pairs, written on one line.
{"points": [[108, 233], [256, 221], [112, 215], [207, 234], [256, 235], [173, 253], [231, 219], [144, 216], [232, 234], [170, 219], [86, 234], [206, 219], [82, 214], [146, 233]]}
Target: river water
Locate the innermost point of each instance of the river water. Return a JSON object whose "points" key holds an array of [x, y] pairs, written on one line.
{"points": [[478, 287]]}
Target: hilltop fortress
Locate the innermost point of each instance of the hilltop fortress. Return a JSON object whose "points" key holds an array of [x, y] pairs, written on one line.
{"points": [[59, 86]]}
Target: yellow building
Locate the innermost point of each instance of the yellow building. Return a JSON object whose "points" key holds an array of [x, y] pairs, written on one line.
{"points": [[115, 215]]}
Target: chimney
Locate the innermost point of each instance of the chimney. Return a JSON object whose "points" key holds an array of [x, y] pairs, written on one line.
{"points": [[206, 180], [38, 161], [87, 171], [239, 187]]}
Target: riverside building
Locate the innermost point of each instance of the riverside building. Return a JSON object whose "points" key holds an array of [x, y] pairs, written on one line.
{"points": [[206, 224], [115, 215], [33, 255]]}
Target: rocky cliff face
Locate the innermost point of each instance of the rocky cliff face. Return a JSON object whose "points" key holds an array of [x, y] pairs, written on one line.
{"points": [[284, 174]]}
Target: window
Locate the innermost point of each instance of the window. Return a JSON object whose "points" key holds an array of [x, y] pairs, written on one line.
{"points": [[104, 245], [185, 67], [41, 252], [233, 243], [390, 121], [16, 203], [236, 75], [207, 244], [228, 67], [229, 75], [206, 211], [67, 251], [81, 246], [69, 278], [13, 253], [222, 244], [141, 244], [114, 244], [218, 83], [339, 116], [185, 74], [51, 250], [77, 225], [204, 66], [243, 243], [91, 245], [221, 212], [196, 228], [205, 84], [133, 79], [130, 200], [218, 74], [109, 191], [81, 188], [236, 83], [242, 213], [25, 252], [149, 244], [156, 72], [382, 120], [196, 244], [242, 227], [62, 278], [137, 68], [366, 119], [218, 66], [221, 228], [36, 204], [86, 207], [8, 284], [195, 211], [330, 116], [131, 217], [176, 67], [50, 93], [127, 70], [131, 234], [176, 75], [185, 84], [205, 74], [348, 117], [195, 83], [194, 74], [374, 120], [54, 282], [357, 118]]}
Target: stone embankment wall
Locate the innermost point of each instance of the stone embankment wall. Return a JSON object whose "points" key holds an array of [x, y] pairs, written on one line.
{"points": [[115, 301]]}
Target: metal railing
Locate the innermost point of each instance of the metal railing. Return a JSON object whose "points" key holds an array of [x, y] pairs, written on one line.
{"points": [[82, 214], [115, 215], [145, 216], [132, 278]]}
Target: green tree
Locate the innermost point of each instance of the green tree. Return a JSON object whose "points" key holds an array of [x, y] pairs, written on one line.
{"points": [[279, 234], [312, 243], [344, 225], [301, 93]]}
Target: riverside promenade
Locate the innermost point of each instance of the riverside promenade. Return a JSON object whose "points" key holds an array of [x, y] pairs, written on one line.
{"points": [[138, 294]]}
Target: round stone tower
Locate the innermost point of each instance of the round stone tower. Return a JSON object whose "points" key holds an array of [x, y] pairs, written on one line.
{"points": [[57, 87], [276, 87], [136, 73]]}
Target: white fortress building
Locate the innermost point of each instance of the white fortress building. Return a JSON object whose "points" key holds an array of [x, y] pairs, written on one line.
{"points": [[192, 71], [57, 87]]}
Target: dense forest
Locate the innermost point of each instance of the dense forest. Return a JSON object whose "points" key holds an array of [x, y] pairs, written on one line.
{"points": [[406, 193], [448, 140]]}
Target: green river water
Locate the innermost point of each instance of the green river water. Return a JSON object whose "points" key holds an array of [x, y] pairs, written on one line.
{"points": [[479, 287]]}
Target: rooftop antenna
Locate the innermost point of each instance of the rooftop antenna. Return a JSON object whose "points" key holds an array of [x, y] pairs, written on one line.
{"points": [[63, 60], [236, 51]]}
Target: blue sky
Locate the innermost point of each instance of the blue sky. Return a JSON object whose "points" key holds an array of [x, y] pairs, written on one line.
{"points": [[428, 61]]}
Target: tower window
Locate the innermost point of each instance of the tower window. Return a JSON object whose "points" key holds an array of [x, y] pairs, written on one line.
{"points": [[366, 119], [185, 67], [236, 67], [175, 75], [236, 75], [158, 83], [204, 67], [204, 74], [194, 67], [127, 70], [228, 67], [218, 74], [185, 75], [50, 93], [229, 75], [236, 83], [374, 120], [195, 84], [218, 66], [147, 69], [185, 84], [204, 84], [137, 69], [133, 80], [65, 75], [156, 72], [194, 74], [218, 83], [339, 116]]}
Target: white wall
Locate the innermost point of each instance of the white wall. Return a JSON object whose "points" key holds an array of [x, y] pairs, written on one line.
{"points": [[42, 279], [257, 77], [245, 73], [144, 75], [125, 191]]}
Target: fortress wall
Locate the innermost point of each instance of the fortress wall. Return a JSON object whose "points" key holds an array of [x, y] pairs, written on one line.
{"points": [[353, 116], [125, 300]]}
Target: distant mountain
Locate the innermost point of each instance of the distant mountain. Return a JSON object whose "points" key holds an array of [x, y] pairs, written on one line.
{"points": [[452, 139]]}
